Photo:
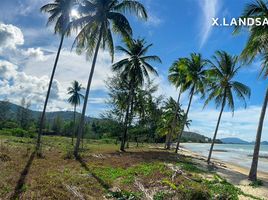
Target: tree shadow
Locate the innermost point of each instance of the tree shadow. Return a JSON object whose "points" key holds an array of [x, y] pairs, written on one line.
{"points": [[23, 175], [238, 178], [99, 180]]}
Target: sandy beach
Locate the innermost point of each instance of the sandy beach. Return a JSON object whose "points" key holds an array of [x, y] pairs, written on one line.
{"points": [[235, 174]]}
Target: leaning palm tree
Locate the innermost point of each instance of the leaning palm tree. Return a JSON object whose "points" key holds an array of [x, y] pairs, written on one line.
{"points": [[195, 76], [177, 78], [222, 86], [59, 12], [134, 69], [99, 19], [257, 45], [75, 99]]}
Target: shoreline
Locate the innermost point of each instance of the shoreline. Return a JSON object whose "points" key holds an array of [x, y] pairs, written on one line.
{"points": [[232, 172]]}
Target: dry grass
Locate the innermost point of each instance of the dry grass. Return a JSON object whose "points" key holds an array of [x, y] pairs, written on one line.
{"points": [[101, 172]]}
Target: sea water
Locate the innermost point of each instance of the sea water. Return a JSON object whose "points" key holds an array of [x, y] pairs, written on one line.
{"points": [[239, 154]]}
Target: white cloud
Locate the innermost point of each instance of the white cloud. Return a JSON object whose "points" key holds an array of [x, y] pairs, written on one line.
{"points": [[73, 67], [243, 124], [16, 84], [29, 77], [210, 9], [33, 52], [11, 40], [10, 36]]}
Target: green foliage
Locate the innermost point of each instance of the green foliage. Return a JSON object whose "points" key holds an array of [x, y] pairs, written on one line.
{"points": [[112, 14], [160, 196], [124, 195], [256, 183], [172, 117], [18, 132], [58, 125], [145, 109], [75, 94], [110, 174], [190, 167], [189, 190], [170, 184], [5, 109], [8, 125], [222, 86], [59, 14], [224, 190]]}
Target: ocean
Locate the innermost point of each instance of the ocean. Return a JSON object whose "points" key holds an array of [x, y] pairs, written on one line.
{"points": [[233, 153]]}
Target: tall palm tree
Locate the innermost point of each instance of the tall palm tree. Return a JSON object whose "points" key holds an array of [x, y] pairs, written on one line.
{"points": [[99, 18], [134, 68], [59, 11], [75, 99], [222, 86], [257, 45], [195, 76], [177, 78]]}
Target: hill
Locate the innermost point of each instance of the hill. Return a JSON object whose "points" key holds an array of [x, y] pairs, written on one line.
{"points": [[50, 116], [195, 137], [233, 140]]}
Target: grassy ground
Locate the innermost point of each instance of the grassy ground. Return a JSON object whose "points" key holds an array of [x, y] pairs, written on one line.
{"points": [[103, 173]]}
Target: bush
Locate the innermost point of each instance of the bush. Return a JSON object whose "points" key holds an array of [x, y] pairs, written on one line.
{"points": [[199, 194], [8, 125], [17, 132], [256, 183]]}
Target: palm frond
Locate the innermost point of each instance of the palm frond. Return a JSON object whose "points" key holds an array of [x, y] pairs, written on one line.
{"points": [[131, 6]]}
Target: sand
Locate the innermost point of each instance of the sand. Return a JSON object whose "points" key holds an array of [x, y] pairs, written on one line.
{"points": [[235, 174]]}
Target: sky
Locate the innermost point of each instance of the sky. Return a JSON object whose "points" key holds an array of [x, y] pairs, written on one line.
{"points": [[176, 28]]}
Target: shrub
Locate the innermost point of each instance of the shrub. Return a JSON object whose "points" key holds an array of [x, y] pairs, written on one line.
{"points": [[17, 132], [256, 183], [8, 125]]}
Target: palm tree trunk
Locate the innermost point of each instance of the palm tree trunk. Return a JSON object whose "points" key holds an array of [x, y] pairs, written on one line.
{"points": [[73, 135], [168, 140], [124, 135], [83, 140], [38, 143], [185, 119], [130, 119], [174, 120], [216, 131], [253, 170], [82, 119]]}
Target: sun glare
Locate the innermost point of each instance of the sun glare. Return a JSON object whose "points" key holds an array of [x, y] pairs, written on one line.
{"points": [[74, 14]]}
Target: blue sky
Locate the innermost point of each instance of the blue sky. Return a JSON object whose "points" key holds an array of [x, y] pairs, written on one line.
{"points": [[175, 27]]}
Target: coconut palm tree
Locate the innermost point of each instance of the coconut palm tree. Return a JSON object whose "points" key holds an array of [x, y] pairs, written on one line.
{"points": [[75, 99], [134, 68], [166, 122], [99, 19], [257, 46], [59, 12], [195, 76], [177, 78], [222, 86]]}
